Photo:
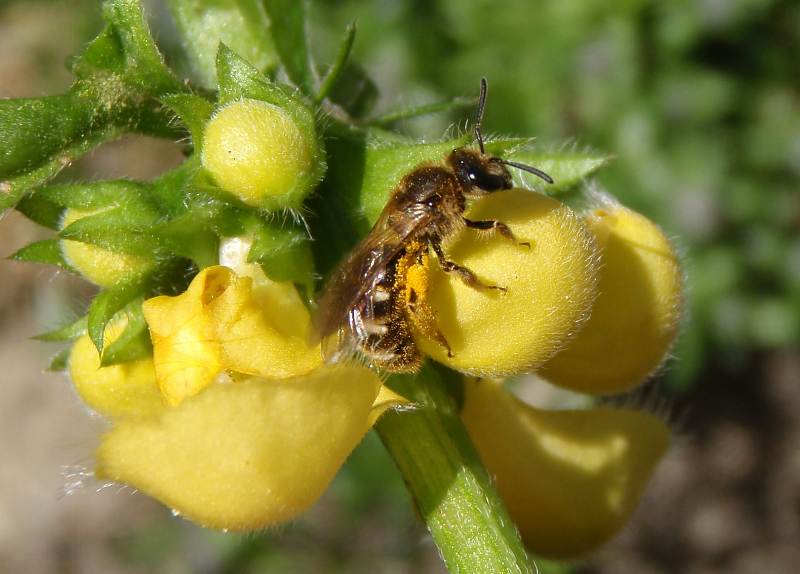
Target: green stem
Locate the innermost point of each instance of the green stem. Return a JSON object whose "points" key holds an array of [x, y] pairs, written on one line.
{"points": [[452, 490]]}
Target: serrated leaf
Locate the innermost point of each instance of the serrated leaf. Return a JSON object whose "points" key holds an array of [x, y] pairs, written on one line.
{"points": [[288, 30], [567, 168], [124, 229], [241, 24], [66, 333], [108, 302], [283, 251], [59, 362], [47, 251], [134, 341], [333, 75]]}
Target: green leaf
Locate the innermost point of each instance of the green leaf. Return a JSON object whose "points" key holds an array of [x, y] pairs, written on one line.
{"points": [[66, 333], [47, 251], [108, 302], [283, 251], [288, 29], [241, 24], [443, 106], [134, 342], [124, 229], [334, 73], [60, 361], [92, 196], [567, 168], [239, 79]]}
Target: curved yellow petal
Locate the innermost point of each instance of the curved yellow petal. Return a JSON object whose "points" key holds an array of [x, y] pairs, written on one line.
{"points": [[186, 354], [248, 455], [636, 315], [569, 479], [263, 330], [117, 390], [550, 286]]}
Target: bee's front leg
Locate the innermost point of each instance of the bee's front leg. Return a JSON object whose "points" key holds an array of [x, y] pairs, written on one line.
{"points": [[468, 277], [495, 225]]}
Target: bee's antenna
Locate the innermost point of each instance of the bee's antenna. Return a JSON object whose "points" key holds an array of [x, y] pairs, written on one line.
{"points": [[530, 169], [479, 118]]}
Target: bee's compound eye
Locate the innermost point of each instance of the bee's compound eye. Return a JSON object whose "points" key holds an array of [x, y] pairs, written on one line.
{"points": [[485, 180], [433, 200]]}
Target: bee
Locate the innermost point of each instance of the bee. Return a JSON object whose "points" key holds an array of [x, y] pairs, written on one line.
{"points": [[375, 297]]}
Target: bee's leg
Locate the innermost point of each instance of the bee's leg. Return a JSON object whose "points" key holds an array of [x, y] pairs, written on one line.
{"points": [[423, 317], [468, 277], [498, 226]]}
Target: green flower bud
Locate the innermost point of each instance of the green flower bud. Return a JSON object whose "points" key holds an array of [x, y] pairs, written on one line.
{"points": [[266, 155]]}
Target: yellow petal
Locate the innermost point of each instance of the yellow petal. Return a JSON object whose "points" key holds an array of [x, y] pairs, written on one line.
{"points": [[636, 315], [569, 479], [386, 399], [185, 350], [263, 330], [124, 389], [550, 286], [248, 455], [100, 266]]}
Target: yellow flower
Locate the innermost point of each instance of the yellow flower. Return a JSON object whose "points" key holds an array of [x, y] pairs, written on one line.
{"points": [[230, 450], [569, 479], [550, 286]]}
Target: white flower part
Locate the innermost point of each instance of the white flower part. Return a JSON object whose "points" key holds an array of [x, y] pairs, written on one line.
{"points": [[233, 253]]}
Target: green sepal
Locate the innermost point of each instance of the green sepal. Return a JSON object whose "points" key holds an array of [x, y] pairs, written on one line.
{"points": [[241, 24], [193, 111], [567, 168], [109, 301], [66, 333], [134, 341], [283, 251], [190, 235], [121, 229], [94, 195], [288, 30], [59, 362], [47, 251], [41, 210]]}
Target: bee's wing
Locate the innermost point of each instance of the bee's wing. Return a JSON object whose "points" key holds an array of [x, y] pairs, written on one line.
{"points": [[355, 277]]}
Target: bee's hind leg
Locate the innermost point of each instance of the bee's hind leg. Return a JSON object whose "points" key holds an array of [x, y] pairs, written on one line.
{"points": [[499, 226], [468, 277], [424, 319]]}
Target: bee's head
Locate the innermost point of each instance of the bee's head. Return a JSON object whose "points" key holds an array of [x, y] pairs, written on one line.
{"points": [[478, 171]]}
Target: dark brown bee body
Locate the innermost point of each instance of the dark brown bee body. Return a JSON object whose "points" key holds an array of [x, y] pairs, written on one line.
{"points": [[370, 303]]}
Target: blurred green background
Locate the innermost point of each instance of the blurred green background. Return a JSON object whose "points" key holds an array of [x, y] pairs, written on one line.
{"points": [[699, 103]]}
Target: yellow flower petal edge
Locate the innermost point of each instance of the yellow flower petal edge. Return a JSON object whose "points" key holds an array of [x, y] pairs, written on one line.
{"points": [[569, 479], [636, 316], [550, 286], [101, 266], [186, 354], [117, 390], [248, 455]]}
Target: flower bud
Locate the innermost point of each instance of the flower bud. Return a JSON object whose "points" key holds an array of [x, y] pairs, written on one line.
{"points": [[549, 286], [101, 266], [266, 155], [117, 390], [636, 315], [570, 479]]}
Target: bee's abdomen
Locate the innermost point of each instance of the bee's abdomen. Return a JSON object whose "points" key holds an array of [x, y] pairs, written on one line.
{"points": [[380, 324]]}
